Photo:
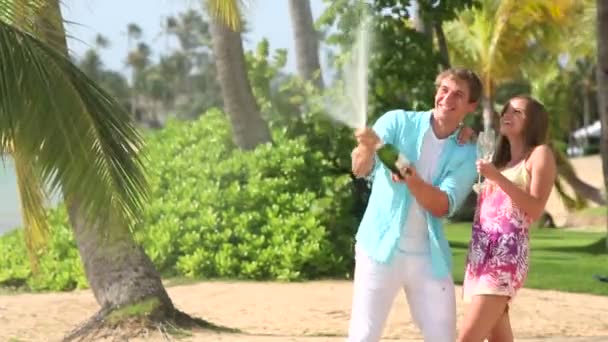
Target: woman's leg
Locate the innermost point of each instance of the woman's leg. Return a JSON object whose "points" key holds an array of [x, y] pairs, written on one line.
{"points": [[482, 316], [502, 331]]}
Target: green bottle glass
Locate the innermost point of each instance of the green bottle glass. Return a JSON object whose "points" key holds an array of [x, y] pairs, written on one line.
{"points": [[391, 158]]}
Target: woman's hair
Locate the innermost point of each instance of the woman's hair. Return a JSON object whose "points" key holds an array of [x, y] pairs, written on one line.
{"points": [[536, 125]]}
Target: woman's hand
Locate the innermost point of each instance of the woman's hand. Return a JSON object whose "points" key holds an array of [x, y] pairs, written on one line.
{"points": [[466, 135], [488, 170]]}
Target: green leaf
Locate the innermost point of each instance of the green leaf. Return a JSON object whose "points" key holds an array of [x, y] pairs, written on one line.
{"points": [[81, 139]]}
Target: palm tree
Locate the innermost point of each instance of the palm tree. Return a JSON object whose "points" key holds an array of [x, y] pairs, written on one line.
{"points": [[101, 42], [543, 70], [583, 41], [92, 65], [65, 131], [249, 129], [134, 33], [139, 60], [192, 32], [496, 39], [493, 38], [114, 82], [306, 41], [602, 81], [427, 19]]}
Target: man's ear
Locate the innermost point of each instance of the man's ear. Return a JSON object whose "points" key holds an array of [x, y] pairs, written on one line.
{"points": [[473, 106]]}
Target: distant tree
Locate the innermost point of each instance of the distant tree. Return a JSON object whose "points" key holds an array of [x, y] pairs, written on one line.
{"points": [[248, 127]]}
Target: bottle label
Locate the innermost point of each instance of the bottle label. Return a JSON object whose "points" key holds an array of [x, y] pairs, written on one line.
{"points": [[402, 162]]}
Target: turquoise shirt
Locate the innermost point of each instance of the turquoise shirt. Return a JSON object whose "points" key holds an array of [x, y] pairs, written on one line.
{"points": [[389, 202]]}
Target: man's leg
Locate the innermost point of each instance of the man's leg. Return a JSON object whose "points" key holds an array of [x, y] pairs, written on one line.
{"points": [[374, 290], [432, 301]]}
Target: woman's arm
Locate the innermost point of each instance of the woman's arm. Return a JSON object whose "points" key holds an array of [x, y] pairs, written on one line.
{"points": [[542, 176]]}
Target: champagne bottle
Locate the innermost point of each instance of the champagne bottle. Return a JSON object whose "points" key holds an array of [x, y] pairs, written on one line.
{"points": [[391, 158]]}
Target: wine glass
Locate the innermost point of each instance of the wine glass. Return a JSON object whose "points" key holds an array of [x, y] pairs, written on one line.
{"points": [[486, 145]]}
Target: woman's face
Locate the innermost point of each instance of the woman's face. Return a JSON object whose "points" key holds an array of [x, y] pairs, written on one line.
{"points": [[513, 119]]}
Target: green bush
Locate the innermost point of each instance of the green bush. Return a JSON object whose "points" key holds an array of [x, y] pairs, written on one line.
{"points": [[591, 149], [59, 266], [282, 211], [14, 267], [278, 212]]}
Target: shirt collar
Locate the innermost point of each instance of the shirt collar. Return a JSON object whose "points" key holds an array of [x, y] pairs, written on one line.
{"points": [[454, 135]]}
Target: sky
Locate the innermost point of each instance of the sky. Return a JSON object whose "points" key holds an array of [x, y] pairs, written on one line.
{"points": [[87, 18]]}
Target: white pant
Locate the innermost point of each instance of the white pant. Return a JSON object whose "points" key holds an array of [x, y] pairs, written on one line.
{"points": [[432, 302]]}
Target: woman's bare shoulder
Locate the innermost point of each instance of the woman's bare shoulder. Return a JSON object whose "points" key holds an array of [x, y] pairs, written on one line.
{"points": [[542, 156]]}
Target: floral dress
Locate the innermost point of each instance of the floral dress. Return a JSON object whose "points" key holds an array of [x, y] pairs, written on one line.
{"points": [[497, 261]]}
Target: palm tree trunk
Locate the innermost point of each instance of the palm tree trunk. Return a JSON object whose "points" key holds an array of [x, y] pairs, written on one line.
{"points": [[306, 41], [118, 270], [249, 129], [488, 113], [420, 25], [586, 104], [443, 45], [602, 81]]}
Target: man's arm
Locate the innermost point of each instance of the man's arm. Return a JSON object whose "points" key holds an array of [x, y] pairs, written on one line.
{"points": [[430, 198], [458, 183], [445, 199], [369, 139]]}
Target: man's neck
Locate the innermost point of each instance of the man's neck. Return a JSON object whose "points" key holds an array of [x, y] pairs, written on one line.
{"points": [[442, 130]]}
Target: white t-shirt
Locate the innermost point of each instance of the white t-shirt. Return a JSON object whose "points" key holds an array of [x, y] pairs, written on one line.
{"points": [[415, 234]]}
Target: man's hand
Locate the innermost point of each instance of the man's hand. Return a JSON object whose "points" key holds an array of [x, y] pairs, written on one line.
{"points": [[362, 160], [406, 175], [368, 138], [429, 197], [466, 135]]}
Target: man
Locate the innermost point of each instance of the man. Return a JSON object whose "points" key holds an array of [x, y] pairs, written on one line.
{"points": [[400, 241]]}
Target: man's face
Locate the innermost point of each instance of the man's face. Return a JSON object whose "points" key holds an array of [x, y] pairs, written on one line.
{"points": [[452, 101]]}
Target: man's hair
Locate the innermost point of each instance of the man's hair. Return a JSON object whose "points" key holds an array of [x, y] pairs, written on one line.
{"points": [[465, 75]]}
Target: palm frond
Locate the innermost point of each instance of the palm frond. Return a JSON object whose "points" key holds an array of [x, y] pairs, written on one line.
{"points": [[569, 202], [465, 42], [32, 206], [82, 140], [581, 32], [41, 18], [494, 38], [565, 168], [503, 22], [20, 13], [227, 12]]}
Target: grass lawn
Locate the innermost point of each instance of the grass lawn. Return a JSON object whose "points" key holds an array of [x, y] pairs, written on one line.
{"points": [[594, 211], [560, 260]]}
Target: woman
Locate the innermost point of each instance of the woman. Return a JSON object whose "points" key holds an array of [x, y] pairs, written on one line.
{"points": [[517, 184]]}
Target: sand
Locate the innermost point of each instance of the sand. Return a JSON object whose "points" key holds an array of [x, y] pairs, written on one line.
{"points": [[309, 311], [312, 311]]}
